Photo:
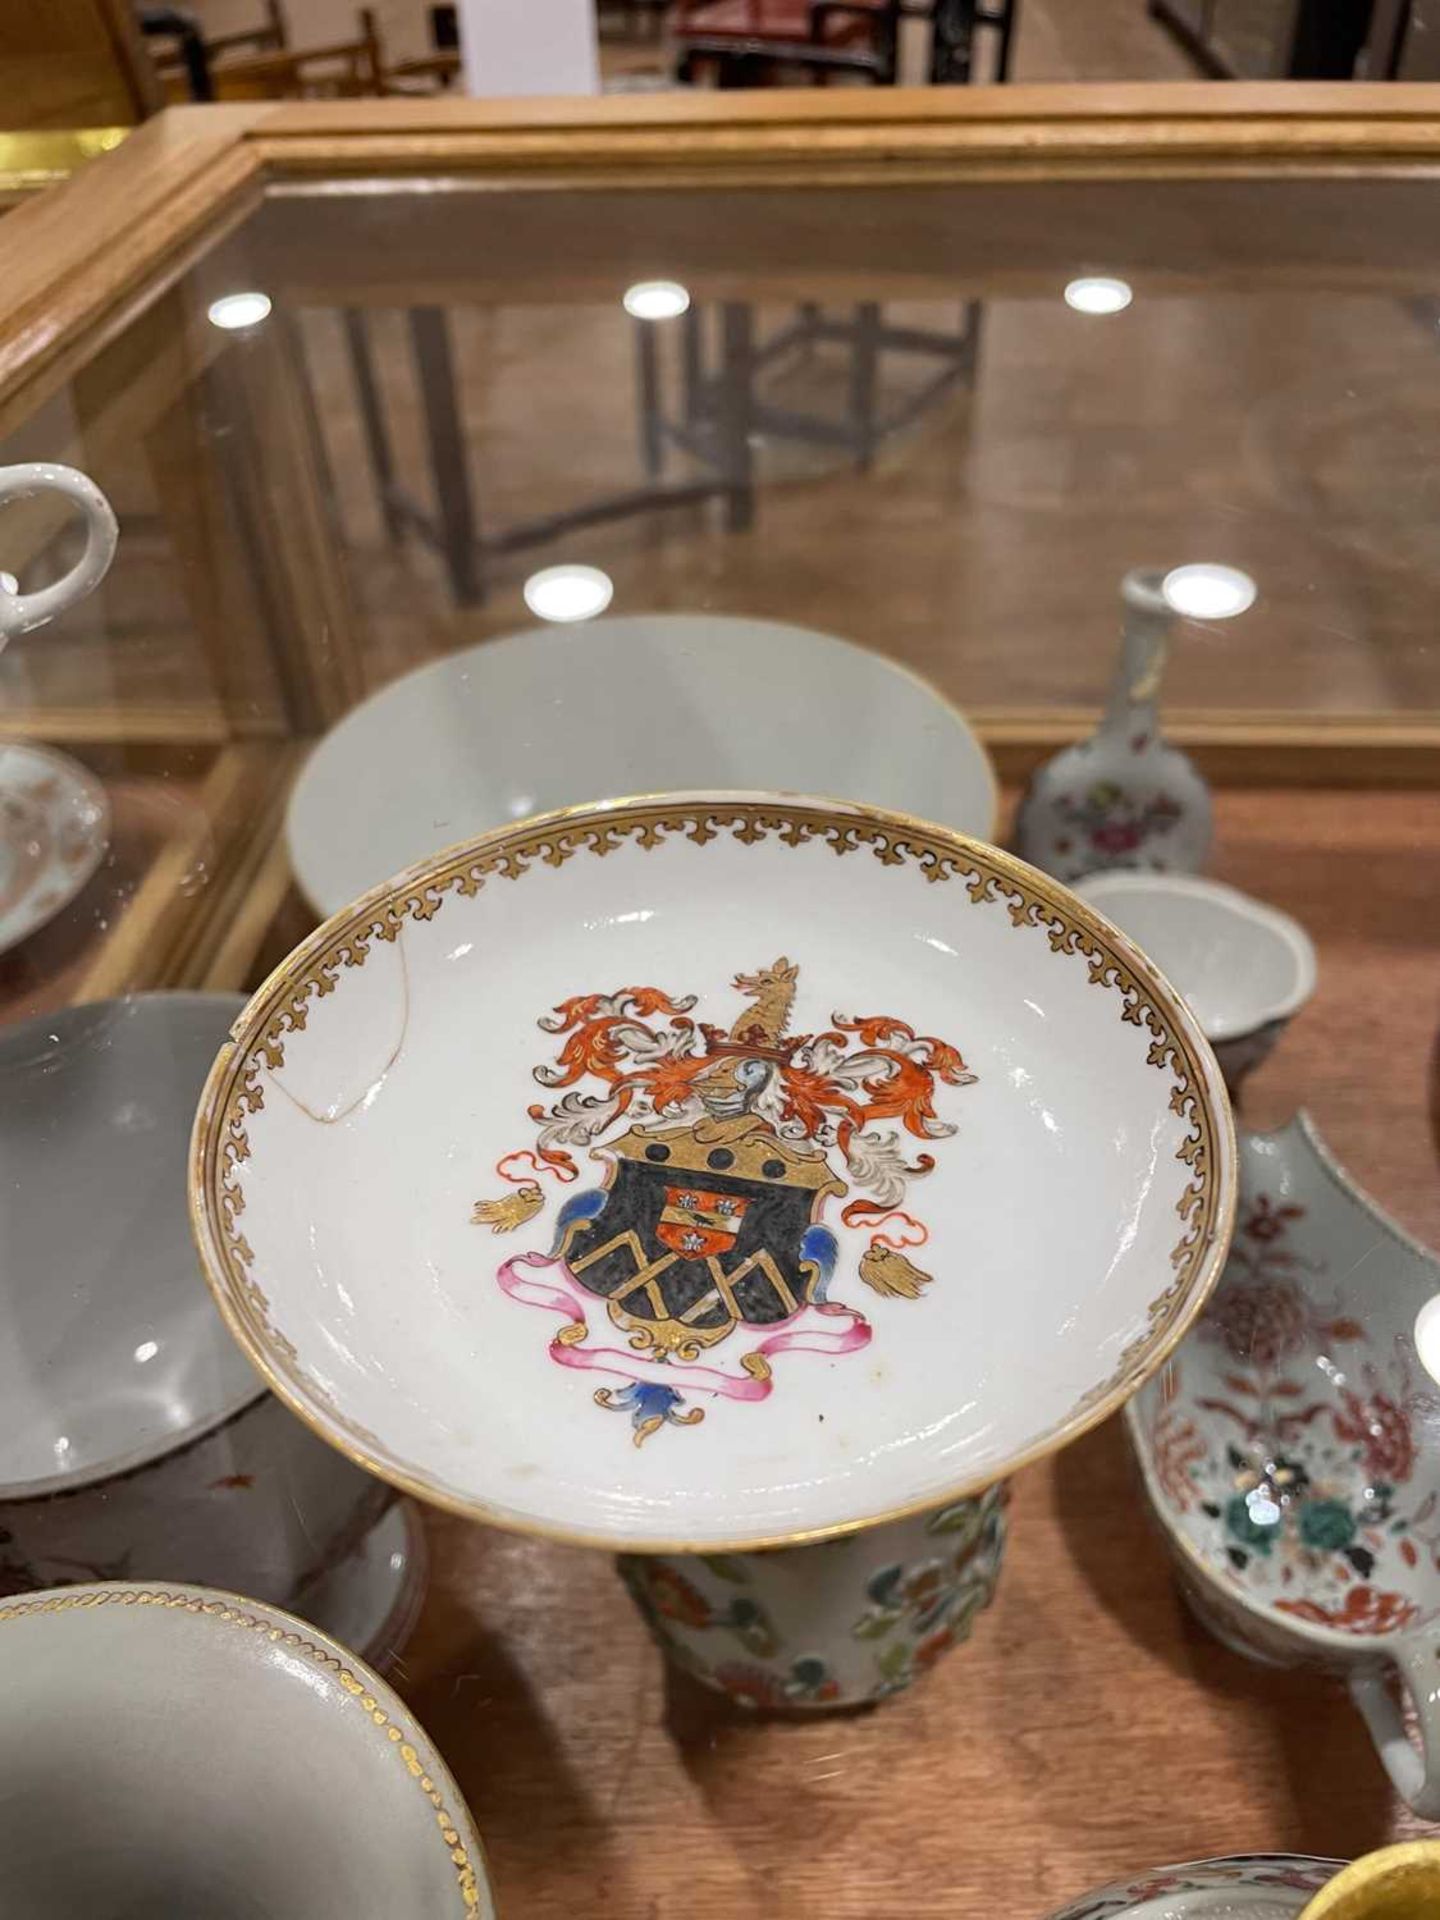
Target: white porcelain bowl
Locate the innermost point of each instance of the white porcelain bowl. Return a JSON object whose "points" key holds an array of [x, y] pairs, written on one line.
{"points": [[136, 1439], [538, 1182], [180, 1752], [558, 716], [1244, 967]]}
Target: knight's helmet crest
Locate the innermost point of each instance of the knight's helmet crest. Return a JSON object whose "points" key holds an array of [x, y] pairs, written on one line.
{"points": [[757, 1034]]}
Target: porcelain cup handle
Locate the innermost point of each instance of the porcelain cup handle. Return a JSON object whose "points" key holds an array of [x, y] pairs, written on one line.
{"points": [[1415, 1774], [20, 612]]}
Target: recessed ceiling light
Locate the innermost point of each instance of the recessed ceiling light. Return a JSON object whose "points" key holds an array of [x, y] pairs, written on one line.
{"points": [[236, 311], [1208, 592], [655, 300], [568, 593], [1098, 293]]}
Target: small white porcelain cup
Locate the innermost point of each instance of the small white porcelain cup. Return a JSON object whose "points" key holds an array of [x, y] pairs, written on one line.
{"points": [[22, 612], [1244, 967]]}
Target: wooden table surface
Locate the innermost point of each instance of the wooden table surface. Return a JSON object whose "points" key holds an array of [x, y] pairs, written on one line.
{"points": [[1090, 1729]]}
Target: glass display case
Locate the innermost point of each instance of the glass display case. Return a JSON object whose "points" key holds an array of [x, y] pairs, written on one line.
{"points": [[371, 388]]}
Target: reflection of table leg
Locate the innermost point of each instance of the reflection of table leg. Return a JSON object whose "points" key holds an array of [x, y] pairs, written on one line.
{"points": [[692, 364], [647, 375], [445, 444], [864, 362], [737, 374], [372, 419], [288, 513], [221, 593]]}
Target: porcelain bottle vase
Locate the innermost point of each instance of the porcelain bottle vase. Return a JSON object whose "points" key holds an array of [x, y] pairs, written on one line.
{"points": [[1124, 798], [842, 1623]]}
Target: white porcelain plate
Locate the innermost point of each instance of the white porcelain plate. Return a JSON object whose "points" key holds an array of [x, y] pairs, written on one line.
{"points": [[187, 1752], [54, 829], [711, 1170], [559, 716]]}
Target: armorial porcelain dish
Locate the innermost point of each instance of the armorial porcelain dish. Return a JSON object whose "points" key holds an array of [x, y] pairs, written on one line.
{"points": [[180, 1752], [710, 1171], [1243, 1886], [1291, 1448], [514, 727]]}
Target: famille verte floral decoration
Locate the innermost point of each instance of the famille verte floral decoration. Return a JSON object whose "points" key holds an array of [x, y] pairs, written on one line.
{"points": [[704, 1251], [1305, 1457], [839, 1623]]}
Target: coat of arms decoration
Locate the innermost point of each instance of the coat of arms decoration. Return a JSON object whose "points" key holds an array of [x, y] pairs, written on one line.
{"points": [[704, 1251]]}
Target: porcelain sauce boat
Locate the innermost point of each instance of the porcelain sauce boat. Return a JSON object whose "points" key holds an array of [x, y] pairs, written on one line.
{"points": [[1291, 1448]]}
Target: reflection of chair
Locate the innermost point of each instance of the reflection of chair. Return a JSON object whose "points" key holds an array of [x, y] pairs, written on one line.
{"points": [[863, 331], [748, 40], [271, 36], [453, 526], [637, 12], [184, 63], [953, 26], [341, 70]]}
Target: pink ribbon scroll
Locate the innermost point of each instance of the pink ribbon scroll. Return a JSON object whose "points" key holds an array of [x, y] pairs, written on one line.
{"points": [[826, 1328]]}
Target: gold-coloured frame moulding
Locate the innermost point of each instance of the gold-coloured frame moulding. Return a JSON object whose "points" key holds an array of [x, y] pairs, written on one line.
{"points": [[284, 1630], [220, 1143]]}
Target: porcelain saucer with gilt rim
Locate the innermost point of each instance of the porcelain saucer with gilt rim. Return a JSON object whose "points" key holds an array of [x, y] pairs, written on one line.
{"points": [[704, 1171]]}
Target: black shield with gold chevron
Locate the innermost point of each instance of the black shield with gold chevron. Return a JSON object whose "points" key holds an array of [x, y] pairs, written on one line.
{"points": [[701, 1231]]}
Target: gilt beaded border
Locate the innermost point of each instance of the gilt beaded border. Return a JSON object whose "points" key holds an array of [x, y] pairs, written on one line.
{"points": [[232, 1615]]}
